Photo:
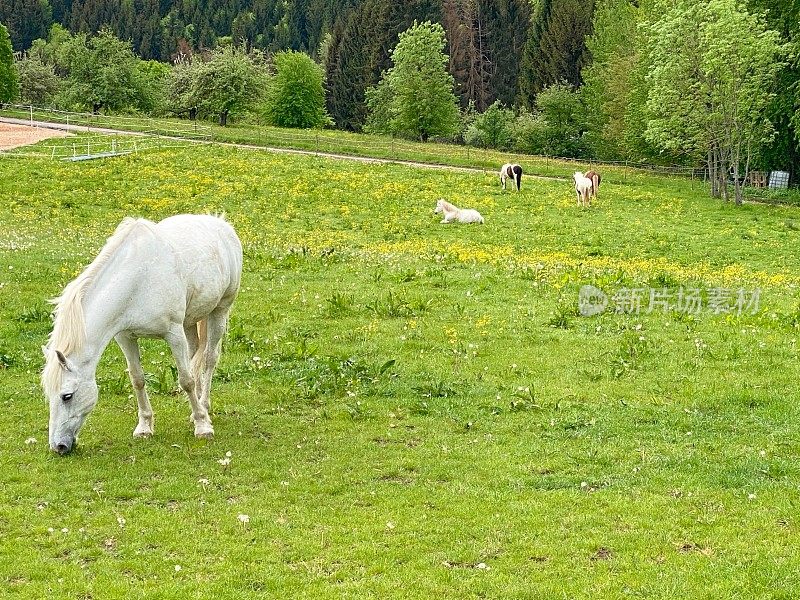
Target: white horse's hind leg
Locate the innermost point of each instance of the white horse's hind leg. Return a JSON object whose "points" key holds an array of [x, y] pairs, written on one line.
{"points": [[196, 337], [131, 350], [176, 338], [216, 324]]}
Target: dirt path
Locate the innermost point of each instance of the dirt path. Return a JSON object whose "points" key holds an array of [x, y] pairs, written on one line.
{"points": [[14, 135]]}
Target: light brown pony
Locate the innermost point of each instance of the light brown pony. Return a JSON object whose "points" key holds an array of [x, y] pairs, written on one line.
{"points": [[594, 176]]}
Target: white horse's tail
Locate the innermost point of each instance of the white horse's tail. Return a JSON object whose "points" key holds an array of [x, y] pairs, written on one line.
{"points": [[199, 358]]}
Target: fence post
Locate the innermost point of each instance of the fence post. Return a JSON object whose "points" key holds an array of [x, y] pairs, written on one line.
{"points": [[316, 136], [31, 109], [625, 172]]}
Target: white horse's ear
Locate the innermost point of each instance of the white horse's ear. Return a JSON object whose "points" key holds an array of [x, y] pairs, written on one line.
{"points": [[65, 364]]}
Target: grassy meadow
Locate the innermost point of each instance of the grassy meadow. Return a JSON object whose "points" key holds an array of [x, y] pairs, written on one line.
{"points": [[330, 141], [413, 410]]}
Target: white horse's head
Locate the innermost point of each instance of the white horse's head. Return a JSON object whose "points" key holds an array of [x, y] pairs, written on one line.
{"points": [[72, 393], [439, 206], [578, 175]]}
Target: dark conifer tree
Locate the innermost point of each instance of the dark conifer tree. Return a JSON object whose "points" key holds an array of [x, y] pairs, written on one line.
{"points": [[506, 24], [61, 9], [468, 50], [25, 20], [297, 24], [361, 50], [356, 61], [556, 47]]}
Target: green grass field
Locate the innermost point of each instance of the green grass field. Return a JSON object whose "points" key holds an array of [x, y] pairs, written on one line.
{"points": [[413, 410], [251, 132]]}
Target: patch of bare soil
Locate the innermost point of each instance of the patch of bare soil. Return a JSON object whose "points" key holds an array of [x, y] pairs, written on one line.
{"points": [[14, 136]]}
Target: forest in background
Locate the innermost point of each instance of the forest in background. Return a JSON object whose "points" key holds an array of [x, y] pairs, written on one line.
{"points": [[588, 68]]}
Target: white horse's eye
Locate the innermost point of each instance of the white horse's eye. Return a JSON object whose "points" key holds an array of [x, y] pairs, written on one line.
{"points": [[66, 397]]}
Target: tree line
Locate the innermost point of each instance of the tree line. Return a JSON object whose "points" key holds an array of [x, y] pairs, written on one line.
{"points": [[714, 82]]}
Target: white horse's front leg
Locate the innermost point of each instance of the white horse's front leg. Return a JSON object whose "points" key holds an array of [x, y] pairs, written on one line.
{"points": [[176, 338], [130, 348]]}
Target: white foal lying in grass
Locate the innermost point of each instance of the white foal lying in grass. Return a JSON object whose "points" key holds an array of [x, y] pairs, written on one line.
{"points": [[453, 213]]}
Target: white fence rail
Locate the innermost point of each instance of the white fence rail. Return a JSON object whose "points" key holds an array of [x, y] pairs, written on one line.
{"points": [[76, 121], [93, 136]]}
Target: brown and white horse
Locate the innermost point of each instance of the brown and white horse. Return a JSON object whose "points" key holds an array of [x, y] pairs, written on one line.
{"points": [[594, 176], [513, 172]]}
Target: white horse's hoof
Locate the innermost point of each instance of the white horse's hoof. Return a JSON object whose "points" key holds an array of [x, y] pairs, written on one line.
{"points": [[142, 432], [204, 432]]}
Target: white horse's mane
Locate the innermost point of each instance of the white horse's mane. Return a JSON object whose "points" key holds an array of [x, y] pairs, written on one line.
{"points": [[69, 329], [447, 206]]}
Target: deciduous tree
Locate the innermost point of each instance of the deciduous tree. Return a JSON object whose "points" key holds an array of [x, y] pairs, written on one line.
{"points": [[228, 84], [608, 79], [9, 85], [38, 82], [103, 73], [712, 72], [295, 94], [492, 128], [417, 91], [558, 126]]}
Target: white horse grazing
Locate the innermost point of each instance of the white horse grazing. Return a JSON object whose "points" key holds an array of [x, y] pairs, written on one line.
{"points": [[453, 213], [512, 171], [176, 280], [583, 188]]}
